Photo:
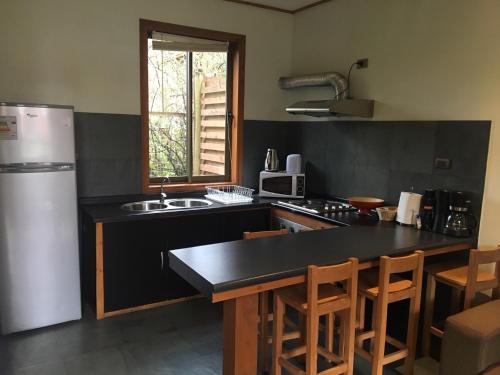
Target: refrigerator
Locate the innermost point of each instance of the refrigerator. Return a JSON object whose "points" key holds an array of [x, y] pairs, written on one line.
{"points": [[39, 257]]}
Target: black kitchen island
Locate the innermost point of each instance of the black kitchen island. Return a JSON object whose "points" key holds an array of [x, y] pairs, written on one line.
{"points": [[236, 272]]}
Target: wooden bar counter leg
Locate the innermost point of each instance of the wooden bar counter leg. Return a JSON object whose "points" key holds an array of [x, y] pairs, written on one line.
{"points": [[240, 335]]}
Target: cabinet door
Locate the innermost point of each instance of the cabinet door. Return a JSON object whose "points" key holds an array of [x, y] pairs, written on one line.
{"points": [[188, 231], [134, 264], [235, 223]]}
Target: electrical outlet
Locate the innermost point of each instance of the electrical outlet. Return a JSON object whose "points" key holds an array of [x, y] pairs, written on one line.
{"points": [[442, 163], [362, 63]]}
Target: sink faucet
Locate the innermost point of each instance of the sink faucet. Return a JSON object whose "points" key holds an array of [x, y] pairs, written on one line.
{"points": [[163, 195]]}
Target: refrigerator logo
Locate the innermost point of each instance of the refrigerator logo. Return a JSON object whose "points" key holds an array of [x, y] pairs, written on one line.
{"points": [[31, 115]]}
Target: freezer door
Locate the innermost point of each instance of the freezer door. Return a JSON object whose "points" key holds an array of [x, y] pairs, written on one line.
{"points": [[36, 134], [39, 264]]}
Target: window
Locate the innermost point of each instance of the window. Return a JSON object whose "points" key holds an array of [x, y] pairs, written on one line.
{"points": [[191, 105]]}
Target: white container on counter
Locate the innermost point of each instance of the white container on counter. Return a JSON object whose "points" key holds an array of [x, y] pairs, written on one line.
{"points": [[408, 208], [294, 163]]}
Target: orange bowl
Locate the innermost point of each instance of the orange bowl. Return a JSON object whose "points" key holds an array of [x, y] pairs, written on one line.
{"points": [[365, 204]]}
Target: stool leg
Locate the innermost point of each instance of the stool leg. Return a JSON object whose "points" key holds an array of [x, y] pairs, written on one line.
{"points": [[374, 317], [350, 339], [361, 312], [312, 343], [302, 328], [380, 333], [329, 331], [411, 336], [264, 331], [279, 311], [430, 297], [455, 300], [342, 333]]}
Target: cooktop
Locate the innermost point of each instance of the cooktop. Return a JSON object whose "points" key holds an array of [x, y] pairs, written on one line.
{"points": [[318, 206]]}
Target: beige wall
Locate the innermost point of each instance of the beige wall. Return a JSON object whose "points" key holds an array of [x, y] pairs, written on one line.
{"points": [[86, 52], [429, 60]]}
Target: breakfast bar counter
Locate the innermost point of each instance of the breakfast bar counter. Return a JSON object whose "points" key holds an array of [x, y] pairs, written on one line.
{"points": [[236, 272]]}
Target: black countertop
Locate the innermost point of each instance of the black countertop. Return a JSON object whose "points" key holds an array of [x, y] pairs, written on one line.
{"points": [[231, 265], [111, 211]]}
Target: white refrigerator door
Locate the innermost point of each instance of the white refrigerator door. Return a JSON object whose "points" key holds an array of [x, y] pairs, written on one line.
{"points": [[39, 259], [36, 134]]}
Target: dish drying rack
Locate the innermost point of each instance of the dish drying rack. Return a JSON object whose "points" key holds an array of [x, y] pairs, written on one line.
{"points": [[229, 194]]}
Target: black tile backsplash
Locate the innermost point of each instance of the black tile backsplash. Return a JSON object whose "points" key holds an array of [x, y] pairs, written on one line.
{"points": [[380, 159], [340, 158], [108, 151]]}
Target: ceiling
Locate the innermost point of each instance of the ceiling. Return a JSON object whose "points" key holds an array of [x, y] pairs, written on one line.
{"points": [[284, 5]]}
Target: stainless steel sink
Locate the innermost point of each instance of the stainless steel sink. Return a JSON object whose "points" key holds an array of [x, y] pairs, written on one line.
{"points": [[188, 203], [144, 206], [170, 204]]}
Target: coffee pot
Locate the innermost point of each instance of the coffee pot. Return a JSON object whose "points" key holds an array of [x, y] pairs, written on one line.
{"points": [[460, 223]]}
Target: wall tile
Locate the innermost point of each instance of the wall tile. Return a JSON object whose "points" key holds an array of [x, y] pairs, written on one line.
{"points": [[108, 151], [413, 147]]}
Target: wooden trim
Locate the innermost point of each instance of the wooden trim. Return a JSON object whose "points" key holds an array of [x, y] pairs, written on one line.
{"points": [[99, 273], [150, 306], [448, 249], [237, 107], [237, 52], [262, 6], [258, 288], [278, 9], [302, 219], [195, 186], [255, 289], [310, 6]]}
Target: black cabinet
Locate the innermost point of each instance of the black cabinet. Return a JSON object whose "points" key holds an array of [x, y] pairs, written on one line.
{"points": [[133, 264], [235, 223], [135, 253]]}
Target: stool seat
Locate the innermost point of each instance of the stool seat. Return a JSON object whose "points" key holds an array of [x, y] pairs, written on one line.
{"points": [[368, 283], [458, 276], [296, 295]]}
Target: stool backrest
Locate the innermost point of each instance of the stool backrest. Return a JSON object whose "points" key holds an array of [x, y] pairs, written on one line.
{"points": [[476, 258], [410, 263], [264, 233], [316, 276]]}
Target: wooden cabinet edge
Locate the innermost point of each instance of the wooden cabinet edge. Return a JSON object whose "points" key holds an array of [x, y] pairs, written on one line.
{"points": [[149, 306], [100, 311], [301, 219], [99, 274]]}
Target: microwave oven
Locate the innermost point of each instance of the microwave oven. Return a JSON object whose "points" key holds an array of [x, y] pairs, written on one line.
{"points": [[282, 184]]}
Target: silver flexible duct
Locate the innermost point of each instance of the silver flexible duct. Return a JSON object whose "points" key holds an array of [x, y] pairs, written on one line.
{"points": [[336, 80]]}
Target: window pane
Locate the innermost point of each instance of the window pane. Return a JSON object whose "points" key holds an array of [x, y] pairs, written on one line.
{"points": [[209, 113], [167, 112]]}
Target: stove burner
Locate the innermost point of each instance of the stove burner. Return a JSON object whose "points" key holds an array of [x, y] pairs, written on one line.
{"points": [[318, 206]]}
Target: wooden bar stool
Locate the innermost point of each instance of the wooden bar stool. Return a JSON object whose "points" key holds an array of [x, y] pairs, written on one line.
{"points": [[468, 279], [385, 287], [321, 296], [265, 315]]}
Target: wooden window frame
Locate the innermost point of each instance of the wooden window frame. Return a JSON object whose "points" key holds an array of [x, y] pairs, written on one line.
{"points": [[237, 56]]}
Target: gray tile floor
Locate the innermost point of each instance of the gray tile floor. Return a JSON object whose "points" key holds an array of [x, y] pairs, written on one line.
{"points": [[185, 338]]}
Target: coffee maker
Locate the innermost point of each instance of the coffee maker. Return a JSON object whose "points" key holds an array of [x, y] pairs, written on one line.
{"points": [[459, 223]]}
